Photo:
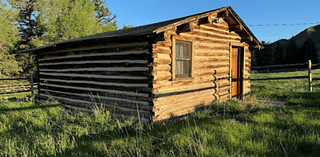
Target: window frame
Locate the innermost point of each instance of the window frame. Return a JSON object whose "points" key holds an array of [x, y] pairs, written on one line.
{"points": [[176, 38]]}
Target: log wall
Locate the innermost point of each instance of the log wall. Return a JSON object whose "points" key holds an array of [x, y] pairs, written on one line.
{"points": [[211, 75], [114, 75]]}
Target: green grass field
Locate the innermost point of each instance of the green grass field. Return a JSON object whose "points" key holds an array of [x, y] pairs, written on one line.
{"points": [[231, 128]]}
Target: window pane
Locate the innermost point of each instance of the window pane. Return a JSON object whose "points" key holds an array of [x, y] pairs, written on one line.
{"points": [[183, 58]]}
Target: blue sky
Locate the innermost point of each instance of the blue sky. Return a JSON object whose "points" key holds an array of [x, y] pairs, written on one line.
{"points": [[142, 12]]}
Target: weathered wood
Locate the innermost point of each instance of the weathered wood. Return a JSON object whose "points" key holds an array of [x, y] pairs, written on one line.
{"points": [[91, 105], [212, 17], [236, 28], [161, 75], [111, 45], [128, 103], [96, 55], [96, 89], [212, 34], [95, 76], [94, 61], [98, 69], [161, 67], [141, 85]]}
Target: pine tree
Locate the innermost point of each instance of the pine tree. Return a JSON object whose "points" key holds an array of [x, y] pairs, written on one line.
{"points": [[103, 14], [264, 56], [279, 54], [29, 27], [309, 51], [292, 53], [126, 26]]}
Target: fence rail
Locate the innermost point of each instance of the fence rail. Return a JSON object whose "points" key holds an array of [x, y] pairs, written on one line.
{"points": [[18, 88], [309, 77], [283, 65]]}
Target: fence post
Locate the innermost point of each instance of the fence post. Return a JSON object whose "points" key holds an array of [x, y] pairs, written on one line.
{"points": [[31, 82], [309, 75]]}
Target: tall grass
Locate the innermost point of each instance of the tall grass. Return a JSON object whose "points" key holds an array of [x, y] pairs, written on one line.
{"points": [[231, 128]]}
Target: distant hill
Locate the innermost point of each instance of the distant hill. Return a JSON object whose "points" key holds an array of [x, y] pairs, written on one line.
{"points": [[313, 32]]}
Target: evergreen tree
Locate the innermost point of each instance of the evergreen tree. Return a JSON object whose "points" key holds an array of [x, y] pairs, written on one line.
{"points": [[279, 54], [126, 26], [264, 56], [309, 51], [29, 27], [103, 14], [292, 53]]}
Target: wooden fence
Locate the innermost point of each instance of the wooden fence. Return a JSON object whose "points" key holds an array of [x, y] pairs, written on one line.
{"points": [[308, 65], [18, 88]]}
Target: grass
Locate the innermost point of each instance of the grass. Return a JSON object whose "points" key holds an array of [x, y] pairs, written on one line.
{"points": [[232, 128]]}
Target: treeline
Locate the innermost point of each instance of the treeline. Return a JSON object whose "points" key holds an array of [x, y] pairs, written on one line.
{"points": [[288, 53], [28, 24]]}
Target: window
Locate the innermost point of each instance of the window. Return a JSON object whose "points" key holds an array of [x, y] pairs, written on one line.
{"points": [[183, 59]]}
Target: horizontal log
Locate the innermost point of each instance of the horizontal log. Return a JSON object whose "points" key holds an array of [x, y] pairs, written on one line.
{"points": [[161, 75], [100, 86], [96, 89], [178, 87], [214, 25], [162, 60], [216, 35], [202, 39], [211, 47], [95, 76], [162, 103], [202, 52], [114, 115], [161, 67], [91, 105], [224, 98], [100, 93], [163, 44], [98, 69], [217, 31], [176, 108], [206, 71], [211, 58], [164, 50], [128, 103], [95, 61], [97, 54], [98, 83], [204, 36], [213, 29], [211, 65], [111, 45]]}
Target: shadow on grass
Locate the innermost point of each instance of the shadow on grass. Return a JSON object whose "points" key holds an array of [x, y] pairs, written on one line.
{"points": [[27, 108], [130, 141]]}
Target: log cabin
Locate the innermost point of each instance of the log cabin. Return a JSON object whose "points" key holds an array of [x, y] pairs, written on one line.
{"points": [[154, 72]]}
